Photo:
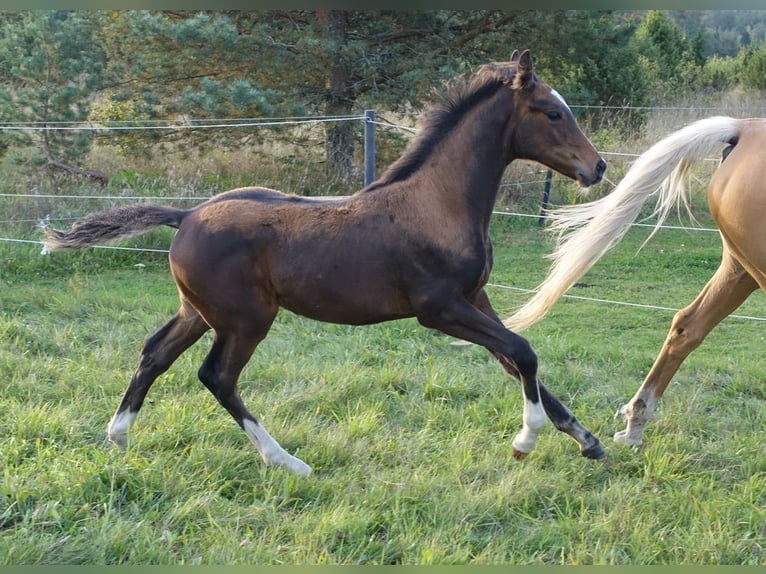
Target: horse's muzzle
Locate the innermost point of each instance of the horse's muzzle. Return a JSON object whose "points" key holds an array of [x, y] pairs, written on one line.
{"points": [[586, 178], [598, 172]]}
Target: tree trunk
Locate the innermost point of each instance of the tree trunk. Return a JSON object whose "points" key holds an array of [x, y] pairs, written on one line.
{"points": [[54, 163], [339, 100], [99, 176]]}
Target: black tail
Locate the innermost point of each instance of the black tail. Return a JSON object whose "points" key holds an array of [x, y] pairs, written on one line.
{"points": [[112, 225]]}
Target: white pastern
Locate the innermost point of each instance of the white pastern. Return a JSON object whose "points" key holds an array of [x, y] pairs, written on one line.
{"points": [[637, 413], [534, 421], [119, 426], [271, 451]]}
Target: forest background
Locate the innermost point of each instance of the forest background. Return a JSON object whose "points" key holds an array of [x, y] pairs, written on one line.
{"points": [[407, 434], [120, 68]]}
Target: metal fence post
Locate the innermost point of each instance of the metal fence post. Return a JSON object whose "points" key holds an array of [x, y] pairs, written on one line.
{"points": [[369, 147]]}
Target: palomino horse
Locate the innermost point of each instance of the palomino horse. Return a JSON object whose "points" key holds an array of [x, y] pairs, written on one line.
{"points": [[735, 198], [413, 243]]}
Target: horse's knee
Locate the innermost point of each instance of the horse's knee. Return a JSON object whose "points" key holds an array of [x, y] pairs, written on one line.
{"points": [[525, 358]]}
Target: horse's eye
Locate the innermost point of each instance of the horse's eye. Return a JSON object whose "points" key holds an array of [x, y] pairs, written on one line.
{"points": [[553, 116]]}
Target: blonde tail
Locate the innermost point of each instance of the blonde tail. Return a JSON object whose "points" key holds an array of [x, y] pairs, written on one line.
{"points": [[587, 231]]}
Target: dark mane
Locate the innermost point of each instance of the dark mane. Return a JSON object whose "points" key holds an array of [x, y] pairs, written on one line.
{"points": [[440, 119]]}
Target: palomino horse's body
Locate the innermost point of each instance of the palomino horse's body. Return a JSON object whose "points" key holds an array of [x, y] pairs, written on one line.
{"points": [[413, 243], [737, 201]]}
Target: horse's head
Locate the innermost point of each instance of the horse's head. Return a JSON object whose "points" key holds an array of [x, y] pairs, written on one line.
{"points": [[543, 128]]}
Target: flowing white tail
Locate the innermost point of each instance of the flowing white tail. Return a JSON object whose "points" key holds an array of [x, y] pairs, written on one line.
{"points": [[587, 231]]}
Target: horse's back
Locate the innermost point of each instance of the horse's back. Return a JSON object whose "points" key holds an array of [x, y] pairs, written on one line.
{"points": [[273, 196], [737, 198]]}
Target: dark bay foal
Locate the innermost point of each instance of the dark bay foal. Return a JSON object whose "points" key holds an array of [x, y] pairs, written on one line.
{"points": [[414, 243]]}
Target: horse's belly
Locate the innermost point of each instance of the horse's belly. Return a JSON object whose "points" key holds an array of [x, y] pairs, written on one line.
{"points": [[350, 308]]}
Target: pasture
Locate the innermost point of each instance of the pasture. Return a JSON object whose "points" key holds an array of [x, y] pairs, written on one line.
{"points": [[409, 436]]}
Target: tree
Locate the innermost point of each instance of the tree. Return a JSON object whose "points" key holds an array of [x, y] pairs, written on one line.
{"points": [[332, 63], [51, 64], [664, 51], [752, 63], [590, 57], [181, 64]]}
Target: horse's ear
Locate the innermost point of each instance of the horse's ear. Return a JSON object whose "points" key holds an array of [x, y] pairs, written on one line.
{"points": [[524, 71], [515, 56]]}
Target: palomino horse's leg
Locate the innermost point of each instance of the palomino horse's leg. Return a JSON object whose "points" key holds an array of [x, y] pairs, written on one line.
{"points": [[480, 324], [560, 415], [726, 290], [220, 372], [158, 353]]}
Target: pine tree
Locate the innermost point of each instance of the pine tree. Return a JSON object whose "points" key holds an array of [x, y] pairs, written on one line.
{"points": [[51, 64]]}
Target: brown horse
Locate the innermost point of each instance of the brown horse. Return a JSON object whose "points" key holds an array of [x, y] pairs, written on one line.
{"points": [[413, 243], [735, 197]]}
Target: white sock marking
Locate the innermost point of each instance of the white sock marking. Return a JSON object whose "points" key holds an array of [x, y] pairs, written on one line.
{"points": [[534, 421], [271, 451], [119, 426], [637, 412]]}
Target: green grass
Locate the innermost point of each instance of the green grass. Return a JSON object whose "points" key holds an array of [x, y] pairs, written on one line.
{"points": [[409, 436]]}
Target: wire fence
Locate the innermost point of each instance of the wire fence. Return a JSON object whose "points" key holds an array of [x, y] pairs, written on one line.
{"points": [[296, 121], [190, 124]]}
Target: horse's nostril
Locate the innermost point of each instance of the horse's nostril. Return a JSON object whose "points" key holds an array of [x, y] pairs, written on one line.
{"points": [[600, 168]]}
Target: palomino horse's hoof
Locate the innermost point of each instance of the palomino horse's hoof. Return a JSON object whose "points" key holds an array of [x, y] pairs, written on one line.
{"points": [[518, 455], [624, 438]]}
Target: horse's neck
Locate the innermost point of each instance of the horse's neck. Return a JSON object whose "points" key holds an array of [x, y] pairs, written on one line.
{"points": [[469, 164]]}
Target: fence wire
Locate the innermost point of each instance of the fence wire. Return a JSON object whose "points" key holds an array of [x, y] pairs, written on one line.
{"points": [[273, 122]]}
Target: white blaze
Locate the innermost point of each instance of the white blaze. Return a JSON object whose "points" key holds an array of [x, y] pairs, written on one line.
{"points": [[560, 98]]}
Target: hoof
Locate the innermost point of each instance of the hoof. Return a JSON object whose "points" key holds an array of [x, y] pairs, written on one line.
{"points": [[119, 440], [595, 452], [291, 463], [519, 455], [622, 437], [301, 468]]}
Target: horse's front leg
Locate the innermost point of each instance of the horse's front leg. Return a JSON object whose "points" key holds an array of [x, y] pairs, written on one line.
{"points": [[560, 415], [478, 323], [534, 416]]}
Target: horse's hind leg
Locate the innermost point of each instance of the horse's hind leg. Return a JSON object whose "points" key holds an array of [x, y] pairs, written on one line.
{"points": [[158, 353], [220, 372], [561, 417], [726, 290]]}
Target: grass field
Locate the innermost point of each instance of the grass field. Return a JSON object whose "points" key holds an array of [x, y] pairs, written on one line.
{"points": [[408, 435]]}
